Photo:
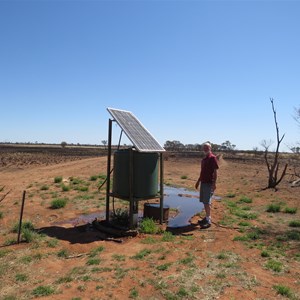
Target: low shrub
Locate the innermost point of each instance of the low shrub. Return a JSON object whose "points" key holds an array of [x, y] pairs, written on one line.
{"points": [[274, 265], [25, 225], [58, 203], [290, 210], [294, 223], [43, 290], [273, 208], [58, 179], [148, 226], [283, 291]]}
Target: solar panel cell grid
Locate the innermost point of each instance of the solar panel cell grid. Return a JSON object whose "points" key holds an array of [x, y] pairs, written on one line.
{"points": [[135, 131]]}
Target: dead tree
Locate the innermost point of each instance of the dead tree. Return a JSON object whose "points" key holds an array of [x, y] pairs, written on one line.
{"points": [[273, 163]]}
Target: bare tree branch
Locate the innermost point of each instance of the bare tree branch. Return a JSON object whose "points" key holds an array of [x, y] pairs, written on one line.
{"points": [[273, 166]]}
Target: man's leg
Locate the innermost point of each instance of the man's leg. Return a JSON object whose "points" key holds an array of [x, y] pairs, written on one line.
{"points": [[207, 208], [205, 198]]}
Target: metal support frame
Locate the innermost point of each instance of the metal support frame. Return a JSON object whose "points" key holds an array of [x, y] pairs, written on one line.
{"points": [[133, 203], [108, 168], [161, 177]]}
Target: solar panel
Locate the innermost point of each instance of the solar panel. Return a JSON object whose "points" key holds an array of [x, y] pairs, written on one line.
{"points": [[135, 131]]}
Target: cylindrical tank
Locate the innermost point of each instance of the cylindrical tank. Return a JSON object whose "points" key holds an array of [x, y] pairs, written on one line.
{"points": [[145, 174]]}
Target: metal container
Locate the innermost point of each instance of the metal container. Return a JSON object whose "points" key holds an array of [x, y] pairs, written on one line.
{"points": [[152, 210], [144, 174]]}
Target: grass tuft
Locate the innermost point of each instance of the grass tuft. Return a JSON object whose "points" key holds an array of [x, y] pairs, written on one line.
{"points": [[273, 208], [290, 210], [283, 291], [274, 265], [58, 203], [58, 179], [294, 223], [148, 226], [245, 199], [43, 290]]}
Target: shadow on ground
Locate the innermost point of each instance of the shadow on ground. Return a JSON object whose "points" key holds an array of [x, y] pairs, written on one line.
{"points": [[75, 235]]}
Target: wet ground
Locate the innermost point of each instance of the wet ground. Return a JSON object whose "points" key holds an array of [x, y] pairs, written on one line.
{"points": [[186, 203]]}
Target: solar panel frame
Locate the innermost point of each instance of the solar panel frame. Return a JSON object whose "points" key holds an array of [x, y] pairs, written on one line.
{"points": [[141, 138]]}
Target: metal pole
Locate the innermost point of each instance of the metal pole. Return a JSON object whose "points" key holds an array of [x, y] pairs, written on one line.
{"points": [[131, 204], [161, 188], [21, 216], [108, 169]]}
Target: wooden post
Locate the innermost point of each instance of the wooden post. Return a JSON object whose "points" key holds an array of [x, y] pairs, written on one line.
{"points": [[21, 216]]}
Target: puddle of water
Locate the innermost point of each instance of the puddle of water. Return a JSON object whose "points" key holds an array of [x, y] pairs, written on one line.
{"points": [[185, 201]]}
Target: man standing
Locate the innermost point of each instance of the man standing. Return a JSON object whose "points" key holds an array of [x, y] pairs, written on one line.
{"points": [[207, 178]]}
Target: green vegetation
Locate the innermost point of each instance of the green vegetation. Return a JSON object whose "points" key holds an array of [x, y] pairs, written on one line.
{"points": [[187, 260], [58, 203], [96, 251], [142, 254], [133, 293], [164, 267], [294, 223], [118, 257], [222, 255], [245, 199], [274, 265], [183, 177], [4, 252], [120, 217], [273, 208], [93, 261], [65, 188], [25, 225], [94, 177], [29, 236], [52, 243], [283, 291], [230, 195], [290, 210], [58, 179], [293, 235], [168, 236], [21, 277], [265, 253], [148, 226], [64, 253], [44, 187], [43, 291]]}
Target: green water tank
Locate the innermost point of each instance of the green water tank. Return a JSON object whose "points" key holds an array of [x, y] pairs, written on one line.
{"points": [[145, 174]]}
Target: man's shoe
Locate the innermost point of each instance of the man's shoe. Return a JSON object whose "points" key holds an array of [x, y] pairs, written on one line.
{"points": [[202, 222], [205, 226]]}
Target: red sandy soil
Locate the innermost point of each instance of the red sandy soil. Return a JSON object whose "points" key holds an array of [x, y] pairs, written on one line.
{"points": [[195, 264]]}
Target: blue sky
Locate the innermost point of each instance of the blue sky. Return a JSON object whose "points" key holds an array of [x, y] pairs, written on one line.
{"points": [[190, 71]]}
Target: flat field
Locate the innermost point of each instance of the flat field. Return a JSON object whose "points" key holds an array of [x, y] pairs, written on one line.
{"points": [[252, 250]]}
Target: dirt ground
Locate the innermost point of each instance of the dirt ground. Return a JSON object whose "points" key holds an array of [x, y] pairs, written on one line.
{"points": [[247, 253]]}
